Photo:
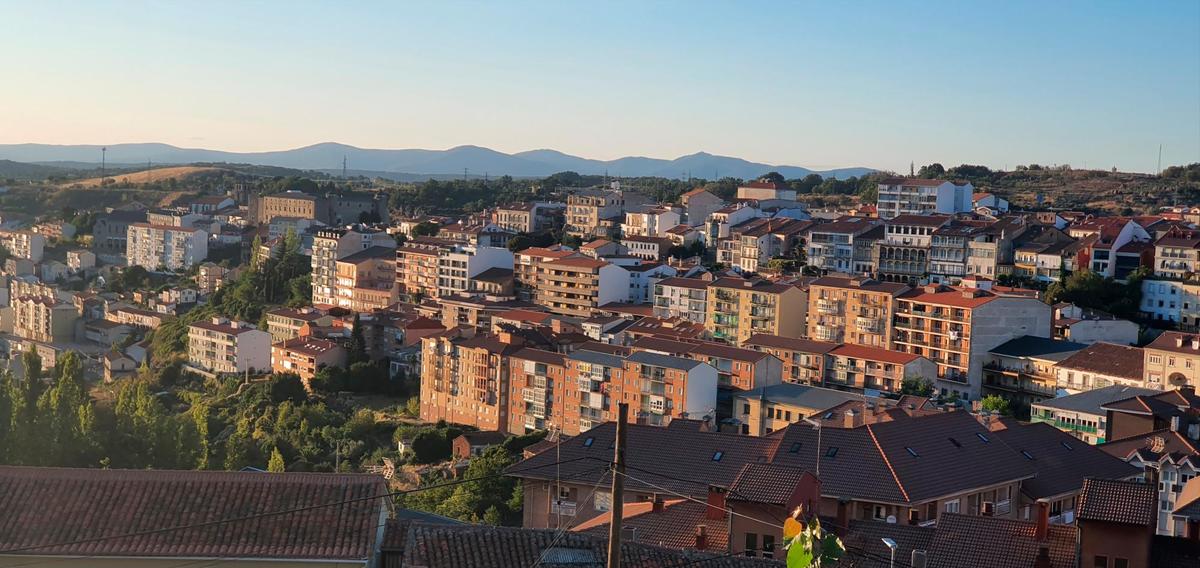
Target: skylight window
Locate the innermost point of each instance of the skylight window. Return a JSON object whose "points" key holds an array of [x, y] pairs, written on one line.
{"points": [[588, 442], [912, 452], [796, 447], [717, 456], [831, 452], [983, 437], [955, 442], [1067, 446], [1027, 455]]}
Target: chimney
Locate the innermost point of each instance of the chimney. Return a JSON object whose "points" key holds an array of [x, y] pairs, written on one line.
{"points": [[1043, 558], [1179, 341], [919, 559], [1043, 520], [842, 524], [656, 503], [716, 503], [849, 417], [701, 538], [1196, 343]]}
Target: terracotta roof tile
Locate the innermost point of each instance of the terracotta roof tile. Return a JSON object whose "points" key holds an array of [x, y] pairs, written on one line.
{"points": [[1112, 501]]}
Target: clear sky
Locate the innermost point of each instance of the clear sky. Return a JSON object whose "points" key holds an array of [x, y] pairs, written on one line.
{"points": [[817, 84]]}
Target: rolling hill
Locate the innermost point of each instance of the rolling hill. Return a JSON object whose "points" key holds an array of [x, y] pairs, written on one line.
{"points": [[474, 159]]}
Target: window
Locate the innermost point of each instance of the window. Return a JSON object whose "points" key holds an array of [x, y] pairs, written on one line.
{"points": [[796, 447], [1120, 563], [746, 408], [1100, 561], [952, 506], [751, 544], [768, 547], [831, 452], [717, 456]]}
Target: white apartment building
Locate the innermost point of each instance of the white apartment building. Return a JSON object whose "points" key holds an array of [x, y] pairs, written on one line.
{"points": [[331, 245], [652, 221], [685, 298], [24, 244], [844, 245], [719, 222], [643, 277], [910, 196], [459, 264], [221, 346], [154, 246]]}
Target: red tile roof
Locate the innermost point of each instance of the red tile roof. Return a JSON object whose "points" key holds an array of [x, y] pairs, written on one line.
{"points": [[791, 343], [874, 354], [45, 507], [672, 527], [1112, 501]]}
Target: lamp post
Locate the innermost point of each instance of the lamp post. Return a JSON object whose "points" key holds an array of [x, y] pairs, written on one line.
{"points": [[891, 544]]}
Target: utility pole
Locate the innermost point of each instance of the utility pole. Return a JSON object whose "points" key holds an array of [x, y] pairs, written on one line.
{"points": [[1159, 160], [103, 162], [343, 166], [618, 489]]}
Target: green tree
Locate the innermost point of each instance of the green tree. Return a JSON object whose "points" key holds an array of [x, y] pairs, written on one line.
{"points": [[358, 345], [426, 229], [288, 387], [932, 171], [276, 465], [996, 404], [918, 386]]}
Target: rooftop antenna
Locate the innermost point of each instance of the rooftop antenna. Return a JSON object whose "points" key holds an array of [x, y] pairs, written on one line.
{"points": [[912, 169], [464, 174], [103, 162], [343, 166], [1160, 159]]}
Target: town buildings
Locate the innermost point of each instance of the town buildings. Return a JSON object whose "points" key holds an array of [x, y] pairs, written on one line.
{"points": [[154, 247], [366, 280], [220, 346], [529, 217], [857, 310], [698, 204], [110, 233], [1100, 365], [903, 254], [862, 368], [576, 286], [844, 245], [24, 244], [804, 361], [909, 196], [956, 328], [1023, 370], [1082, 414], [286, 323], [333, 244], [305, 355], [649, 221], [739, 308], [594, 213], [1172, 360], [679, 297], [295, 204], [44, 318]]}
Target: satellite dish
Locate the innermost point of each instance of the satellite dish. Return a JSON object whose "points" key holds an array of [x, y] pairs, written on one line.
{"points": [[891, 519]]}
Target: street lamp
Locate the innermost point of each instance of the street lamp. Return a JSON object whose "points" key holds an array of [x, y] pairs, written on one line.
{"points": [[891, 544], [817, 424]]}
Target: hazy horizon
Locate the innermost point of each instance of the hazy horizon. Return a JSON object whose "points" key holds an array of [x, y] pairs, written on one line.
{"points": [[821, 86]]}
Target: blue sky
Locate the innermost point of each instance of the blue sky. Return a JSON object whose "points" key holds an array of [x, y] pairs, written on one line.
{"points": [[817, 84]]}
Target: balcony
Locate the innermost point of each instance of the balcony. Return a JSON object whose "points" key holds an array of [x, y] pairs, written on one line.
{"points": [[829, 307], [826, 333], [868, 324], [533, 395]]}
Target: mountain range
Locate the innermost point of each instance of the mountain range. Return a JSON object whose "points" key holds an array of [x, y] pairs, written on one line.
{"points": [[475, 160]]}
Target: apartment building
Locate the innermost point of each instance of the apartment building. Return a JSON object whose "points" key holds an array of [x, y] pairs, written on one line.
{"points": [[43, 318], [596, 376], [594, 213], [903, 254], [294, 204], [357, 207], [1173, 361], [136, 317], [738, 309], [860, 368], [542, 396], [767, 409], [529, 217], [660, 387], [949, 249], [856, 310], [909, 196], [1082, 414], [766, 191], [737, 369], [678, 297], [719, 222], [1046, 255], [757, 242], [1118, 245], [304, 356], [527, 268], [163, 246], [476, 234], [990, 254], [466, 380], [577, 286], [110, 233], [647, 248], [210, 277], [649, 221], [1100, 365], [956, 327], [698, 204], [24, 244], [643, 277], [366, 280], [286, 323], [457, 266], [333, 244], [1088, 325], [220, 346], [1023, 370], [80, 260], [845, 245], [417, 264], [804, 361], [1177, 254], [178, 217]]}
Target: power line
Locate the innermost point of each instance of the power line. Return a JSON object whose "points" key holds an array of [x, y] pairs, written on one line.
{"points": [[283, 511]]}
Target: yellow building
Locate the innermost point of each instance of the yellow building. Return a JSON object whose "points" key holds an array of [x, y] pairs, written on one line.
{"points": [[1172, 361], [366, 280], [738, 309], [854, 310]]}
